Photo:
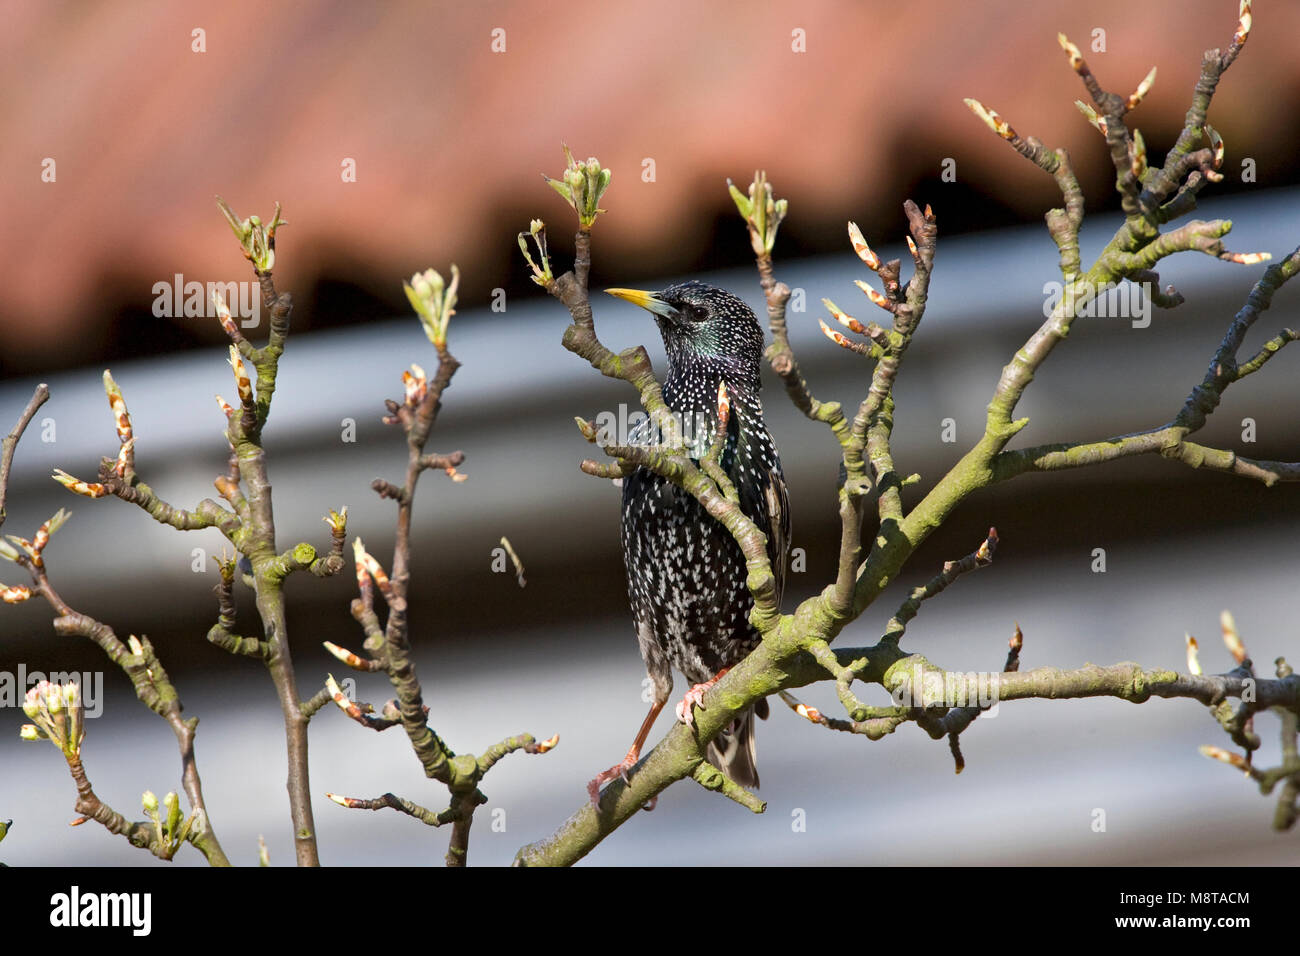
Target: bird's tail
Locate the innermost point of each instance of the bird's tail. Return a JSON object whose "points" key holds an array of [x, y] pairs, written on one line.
{"points": [[733, 751]]}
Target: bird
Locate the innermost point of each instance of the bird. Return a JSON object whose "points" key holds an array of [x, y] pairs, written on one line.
{"points": [[686, 575]]}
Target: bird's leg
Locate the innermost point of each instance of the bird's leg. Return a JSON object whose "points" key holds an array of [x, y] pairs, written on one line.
{"points": [[633, 755], [695, 697]]}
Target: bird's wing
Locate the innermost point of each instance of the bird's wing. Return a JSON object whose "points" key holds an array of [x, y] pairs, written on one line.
{"points": [[777, 499]]}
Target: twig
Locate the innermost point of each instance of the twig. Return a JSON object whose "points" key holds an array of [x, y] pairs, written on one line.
{"points": [[952, 570], [39, 397], [154, 688], [389, 644], [401, 804], [514, 559]]}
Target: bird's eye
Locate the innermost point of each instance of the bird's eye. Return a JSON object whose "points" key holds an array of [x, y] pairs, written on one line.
{"points": [[696, 313]]}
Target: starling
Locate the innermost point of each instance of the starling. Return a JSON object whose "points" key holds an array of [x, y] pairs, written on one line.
{"points": [[686, 575]]}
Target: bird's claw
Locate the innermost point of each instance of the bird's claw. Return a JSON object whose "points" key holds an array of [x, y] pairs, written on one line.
{"points": [[695, 698], [618, 771], [605, 776]]}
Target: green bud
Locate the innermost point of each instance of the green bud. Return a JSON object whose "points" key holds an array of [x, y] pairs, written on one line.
{"points": [[743, 203], [257, 240], [434, 300], [58, 521], [412, 296], [75, 727], [45, 704], [582, 187], [775, 218], [562, 188], [574, 179], [172, 803], [29, 732], [421, 286], [240, 227], [762, 212], [149, 800], [542, 274], [338, 520]]}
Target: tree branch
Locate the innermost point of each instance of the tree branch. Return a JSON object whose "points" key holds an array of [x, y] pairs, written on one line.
{"points": [[39, 397], [796, 648]]}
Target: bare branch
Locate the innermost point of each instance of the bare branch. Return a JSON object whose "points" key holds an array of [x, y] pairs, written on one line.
{"points": [[401, 804], [952, 570], [39, 397]]}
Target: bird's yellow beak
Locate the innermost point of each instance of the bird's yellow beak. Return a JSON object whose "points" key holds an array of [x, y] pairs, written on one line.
{"points": [[649, 301]]}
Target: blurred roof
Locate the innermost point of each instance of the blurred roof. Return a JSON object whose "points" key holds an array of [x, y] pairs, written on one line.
{"points": [[449, 136]]}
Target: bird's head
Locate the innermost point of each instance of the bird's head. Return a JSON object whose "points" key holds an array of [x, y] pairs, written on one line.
{"points": [[702, 322]]}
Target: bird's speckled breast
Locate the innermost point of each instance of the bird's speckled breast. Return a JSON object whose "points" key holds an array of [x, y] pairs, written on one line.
{"points": [[686, 573]]}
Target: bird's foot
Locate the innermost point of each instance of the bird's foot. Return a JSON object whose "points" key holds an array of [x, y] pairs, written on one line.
{"points": [[618, 771], [605, 776], [695, 698], [633, 755]]}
